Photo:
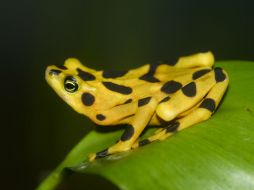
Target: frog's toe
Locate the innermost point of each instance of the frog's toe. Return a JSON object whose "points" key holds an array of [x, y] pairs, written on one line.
{"points": [[135, 145], [101, 154], [91, 157], [141, 143]]}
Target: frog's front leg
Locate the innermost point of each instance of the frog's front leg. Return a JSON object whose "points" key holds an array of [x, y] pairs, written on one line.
{"points": [[146, 109]]}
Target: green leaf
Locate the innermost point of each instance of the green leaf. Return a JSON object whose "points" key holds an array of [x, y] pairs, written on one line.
{"points": [[217, 154]]}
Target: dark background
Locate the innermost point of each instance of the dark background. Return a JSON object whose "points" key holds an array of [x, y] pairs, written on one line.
{"points": [[37, 128]]}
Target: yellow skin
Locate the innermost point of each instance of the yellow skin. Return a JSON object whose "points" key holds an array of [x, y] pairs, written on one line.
{"points": [[173, 96]]}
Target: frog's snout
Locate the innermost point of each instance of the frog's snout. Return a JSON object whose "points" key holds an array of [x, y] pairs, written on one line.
{"points": [[51, 74]]}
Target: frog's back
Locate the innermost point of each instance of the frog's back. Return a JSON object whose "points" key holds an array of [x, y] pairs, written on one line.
{"points": [[101, 90], [150, 75]]}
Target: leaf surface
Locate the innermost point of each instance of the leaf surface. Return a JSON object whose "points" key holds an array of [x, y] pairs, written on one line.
{"points": [[217, 154]]}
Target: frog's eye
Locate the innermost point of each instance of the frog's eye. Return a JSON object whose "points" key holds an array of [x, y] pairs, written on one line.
{"points": [[70, 84]]}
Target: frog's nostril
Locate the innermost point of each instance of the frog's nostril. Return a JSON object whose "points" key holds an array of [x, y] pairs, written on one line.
{"points": [[54, 72]]}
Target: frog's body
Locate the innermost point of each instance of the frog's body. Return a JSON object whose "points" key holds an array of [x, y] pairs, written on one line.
{"points": [[175, 96]]}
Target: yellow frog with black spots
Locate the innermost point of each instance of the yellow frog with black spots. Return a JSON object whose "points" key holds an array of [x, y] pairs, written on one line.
{"points": [[173, 96]]}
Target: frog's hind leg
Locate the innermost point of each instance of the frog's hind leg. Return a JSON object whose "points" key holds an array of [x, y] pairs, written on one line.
{"points": [[203, 112]]}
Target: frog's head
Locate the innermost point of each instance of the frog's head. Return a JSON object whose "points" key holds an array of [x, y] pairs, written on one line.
{"points": [[67, 82]]}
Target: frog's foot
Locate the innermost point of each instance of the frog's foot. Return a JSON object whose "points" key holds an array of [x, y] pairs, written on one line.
{"points": [[116, 148], [159, 134]]}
